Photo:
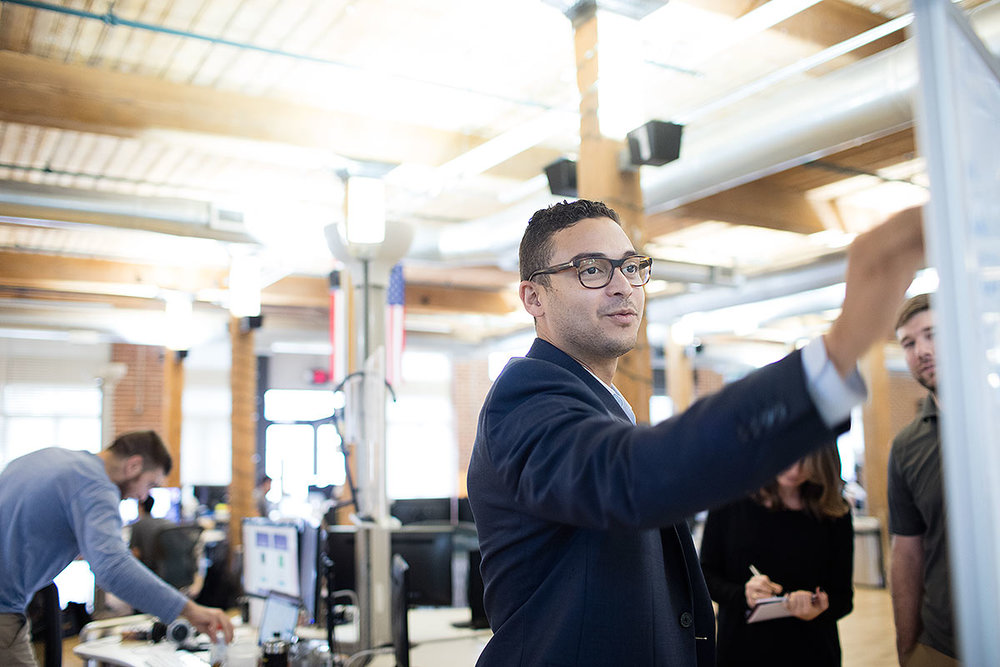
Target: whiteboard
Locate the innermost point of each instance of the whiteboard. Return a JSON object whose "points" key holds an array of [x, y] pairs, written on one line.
{"points": [[958, 130]]}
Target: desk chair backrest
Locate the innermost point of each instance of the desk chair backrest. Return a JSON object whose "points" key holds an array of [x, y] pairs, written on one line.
{"points": [[177, 554]]}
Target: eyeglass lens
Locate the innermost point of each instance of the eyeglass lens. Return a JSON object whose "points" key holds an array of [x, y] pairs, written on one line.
{"points": [[597, 271]]}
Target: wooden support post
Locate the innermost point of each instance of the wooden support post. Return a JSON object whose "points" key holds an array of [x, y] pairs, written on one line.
{"points": [[878, 439], [173, 391], [680, 376], [600, 178], [243, 384]]}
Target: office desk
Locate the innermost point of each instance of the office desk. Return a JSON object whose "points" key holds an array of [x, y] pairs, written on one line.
{"points": [[435, 641], [113, 651]]}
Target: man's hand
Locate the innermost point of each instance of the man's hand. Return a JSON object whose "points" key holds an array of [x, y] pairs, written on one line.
{"points": [[208, 620], [880, 266]]}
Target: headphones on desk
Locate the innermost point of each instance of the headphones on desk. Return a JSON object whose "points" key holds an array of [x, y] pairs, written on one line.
{"points": [[179, 632]]}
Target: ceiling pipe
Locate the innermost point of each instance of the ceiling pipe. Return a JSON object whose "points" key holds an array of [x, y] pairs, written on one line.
{"points": [[60, 208], [807, 121], [870, 98], [824, 272]]}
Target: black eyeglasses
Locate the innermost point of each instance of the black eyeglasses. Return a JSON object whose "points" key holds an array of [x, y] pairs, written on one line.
{"points": [[596, 272]]}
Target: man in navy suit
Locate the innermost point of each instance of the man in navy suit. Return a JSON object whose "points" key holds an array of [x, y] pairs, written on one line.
{"points": [[586, 557]]}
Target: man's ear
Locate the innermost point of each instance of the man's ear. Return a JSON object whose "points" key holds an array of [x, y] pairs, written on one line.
{"points": [[132, 466], [531, 298]]}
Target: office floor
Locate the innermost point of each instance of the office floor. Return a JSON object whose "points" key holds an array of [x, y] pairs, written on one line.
{"points": [[867, 636]]}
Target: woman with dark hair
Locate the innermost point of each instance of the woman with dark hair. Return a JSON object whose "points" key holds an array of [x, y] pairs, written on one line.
{"points": [[792, 538]]}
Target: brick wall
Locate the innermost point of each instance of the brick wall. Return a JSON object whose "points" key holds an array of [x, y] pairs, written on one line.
{"points": [[706, 382], [138, 396]]}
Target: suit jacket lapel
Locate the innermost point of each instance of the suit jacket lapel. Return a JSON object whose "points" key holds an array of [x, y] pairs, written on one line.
{"points": [[546, 351]]}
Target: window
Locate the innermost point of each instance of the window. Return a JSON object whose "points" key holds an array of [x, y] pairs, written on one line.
{"points": [[40, 415], [302, 449], [206, 434]]}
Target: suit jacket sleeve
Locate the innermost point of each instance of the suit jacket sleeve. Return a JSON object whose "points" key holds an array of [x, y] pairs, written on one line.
{"points": [[567, 460]]}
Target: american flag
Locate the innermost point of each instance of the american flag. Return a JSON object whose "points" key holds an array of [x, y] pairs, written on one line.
{"points": [[395, 333]]}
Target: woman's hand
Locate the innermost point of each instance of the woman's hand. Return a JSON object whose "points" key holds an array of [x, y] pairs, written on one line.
{"points": [[806, 605], [759, 587]]}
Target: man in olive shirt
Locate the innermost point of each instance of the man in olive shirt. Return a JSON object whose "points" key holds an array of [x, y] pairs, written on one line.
{"points": [[921, 590]]}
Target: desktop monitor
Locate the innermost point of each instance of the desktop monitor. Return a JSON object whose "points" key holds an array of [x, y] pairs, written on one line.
{"points": [[427, 550], [210, 496], [283, 557], [311, 542], [270, 558], [421, 510], [340, 550]]}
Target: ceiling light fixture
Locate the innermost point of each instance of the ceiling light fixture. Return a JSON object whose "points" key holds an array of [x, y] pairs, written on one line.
{"points": [[364, 219], [244, 285]]}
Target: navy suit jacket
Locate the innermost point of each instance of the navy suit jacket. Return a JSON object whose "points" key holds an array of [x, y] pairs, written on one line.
{"points": [[586, 555]]}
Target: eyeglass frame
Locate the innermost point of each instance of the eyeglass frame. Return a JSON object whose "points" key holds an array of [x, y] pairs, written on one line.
{"points": [[615, 264]]}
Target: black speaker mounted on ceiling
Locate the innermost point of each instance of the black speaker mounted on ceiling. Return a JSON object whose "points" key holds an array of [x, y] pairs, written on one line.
{"points": [[562, 177], [656, 143]]}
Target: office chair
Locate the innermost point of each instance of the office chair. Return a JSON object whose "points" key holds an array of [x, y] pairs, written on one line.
{"points": [[177, 554], [53, 625]]}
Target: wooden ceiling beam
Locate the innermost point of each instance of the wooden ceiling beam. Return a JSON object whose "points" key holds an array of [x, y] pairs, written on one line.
{"points": [[757, 204], [15, 27], [313, 292], [75, 97], [101, 276], [438, 299], [824, 24], [68, 278]]}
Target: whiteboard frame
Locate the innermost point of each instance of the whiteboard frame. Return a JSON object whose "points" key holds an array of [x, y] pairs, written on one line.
{"points": [[971, 465]]}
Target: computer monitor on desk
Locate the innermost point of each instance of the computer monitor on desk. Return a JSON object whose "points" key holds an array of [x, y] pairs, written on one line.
{"points": [[282, 557], [427, 550]]}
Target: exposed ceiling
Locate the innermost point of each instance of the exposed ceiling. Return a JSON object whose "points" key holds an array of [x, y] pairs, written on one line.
{"points": [[145, 143]]}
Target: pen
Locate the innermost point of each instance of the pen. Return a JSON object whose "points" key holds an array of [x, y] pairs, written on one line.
{"points": [[754, 571]]}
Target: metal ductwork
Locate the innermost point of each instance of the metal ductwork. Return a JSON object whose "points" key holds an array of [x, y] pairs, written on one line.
{"points": [[823, 273], [52, 206], [870, 98]]}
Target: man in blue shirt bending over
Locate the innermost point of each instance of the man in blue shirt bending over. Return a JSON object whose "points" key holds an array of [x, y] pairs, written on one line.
{"points": [[56, 504]]}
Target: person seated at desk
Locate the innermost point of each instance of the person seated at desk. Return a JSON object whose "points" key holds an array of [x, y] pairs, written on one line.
{"points": [[145, 530], [173, 551]]}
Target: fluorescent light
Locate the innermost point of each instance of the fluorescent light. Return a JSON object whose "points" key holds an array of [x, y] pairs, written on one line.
{"points": [[179, 311], [244, 285], [365, 218]]}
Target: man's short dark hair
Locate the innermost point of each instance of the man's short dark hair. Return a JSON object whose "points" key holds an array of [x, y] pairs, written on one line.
{"points": [[913, 305], [146, 444], [536, 244]]}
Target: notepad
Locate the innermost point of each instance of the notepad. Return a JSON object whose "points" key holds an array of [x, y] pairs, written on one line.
{"points": [[768, 609]]}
